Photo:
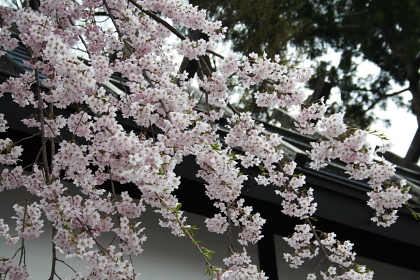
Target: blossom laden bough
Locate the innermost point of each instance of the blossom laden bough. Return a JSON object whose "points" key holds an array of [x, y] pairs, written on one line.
{"points": [[130, 41]]}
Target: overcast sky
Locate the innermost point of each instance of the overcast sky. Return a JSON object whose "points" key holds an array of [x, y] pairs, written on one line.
{"points": [[403, 123]]}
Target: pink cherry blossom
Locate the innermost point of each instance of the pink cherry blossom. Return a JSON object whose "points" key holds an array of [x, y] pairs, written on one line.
{"points": [[129, 74]]}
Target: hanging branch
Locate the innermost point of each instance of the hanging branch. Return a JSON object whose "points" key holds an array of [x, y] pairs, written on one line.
{"points": [[42, 121], [188, 232]]}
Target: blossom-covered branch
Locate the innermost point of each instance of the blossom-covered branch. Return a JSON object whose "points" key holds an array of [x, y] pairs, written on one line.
{"points": [[132, 41]]}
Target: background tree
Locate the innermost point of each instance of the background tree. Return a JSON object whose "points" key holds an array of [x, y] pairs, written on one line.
{"points": [[384, 32]]}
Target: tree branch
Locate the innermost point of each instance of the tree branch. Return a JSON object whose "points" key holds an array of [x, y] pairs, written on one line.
{"points": [[187, 230], [54, 256], [42, 121], [167, 25], [355, 13], [383, 96], [159, 20]]}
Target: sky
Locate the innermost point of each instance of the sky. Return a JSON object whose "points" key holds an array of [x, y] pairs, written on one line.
{"points": [[403, 123], [402, 130]]}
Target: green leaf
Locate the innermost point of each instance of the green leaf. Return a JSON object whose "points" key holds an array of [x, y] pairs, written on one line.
{"points": [[408, 205], [176, 209], [232, 155], [208, 271], [208, 252], [194, 228], [161, 172], [216, 146]]}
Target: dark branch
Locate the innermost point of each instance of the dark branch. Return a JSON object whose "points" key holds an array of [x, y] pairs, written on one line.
{"points": [[383, 96]]}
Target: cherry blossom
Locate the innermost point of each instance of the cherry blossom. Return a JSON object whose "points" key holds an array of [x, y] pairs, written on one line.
{"points": [[129, 74]]}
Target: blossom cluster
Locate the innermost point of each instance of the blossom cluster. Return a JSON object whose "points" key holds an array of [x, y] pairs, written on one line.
{"points": [[240, 267], [129, 75], [28, 222], [109, 264], [386, 200], [3, 123], [7, 43], [281, 82], [297, 202], [4, 232], [340, 254], [300, 241], [12, 270], [9, 152], [351, 147], [236, 214]]}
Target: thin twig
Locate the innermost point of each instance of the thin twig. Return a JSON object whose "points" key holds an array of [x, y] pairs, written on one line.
{"points": [[114, 194], [146, 76], [206, 94], [52, 143], [89, 232], [42, 121], [231, 249], [159, 20], [382, 96], [215, 53], [206, 68], [26, 138], [112, 18], [308, 221], [230, 106], [66, 264], [187, 233], [81, 39]]}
